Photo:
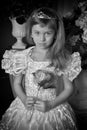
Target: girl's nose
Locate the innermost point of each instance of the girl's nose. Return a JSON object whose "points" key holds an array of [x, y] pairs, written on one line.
{"points": [[42, 37]]}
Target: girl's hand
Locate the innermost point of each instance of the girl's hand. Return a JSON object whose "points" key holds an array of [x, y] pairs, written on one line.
{"points": [[43, 106], [29, 103]]}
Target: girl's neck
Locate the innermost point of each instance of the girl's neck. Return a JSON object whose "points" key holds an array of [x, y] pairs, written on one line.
{"points": [[40, 50], [40, 54]]}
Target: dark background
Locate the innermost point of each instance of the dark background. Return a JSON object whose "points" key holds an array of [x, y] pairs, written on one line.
{"points": [[7, 40]]}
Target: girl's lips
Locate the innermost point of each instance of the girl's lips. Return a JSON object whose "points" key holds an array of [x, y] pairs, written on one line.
{"points": [[42, 43]]}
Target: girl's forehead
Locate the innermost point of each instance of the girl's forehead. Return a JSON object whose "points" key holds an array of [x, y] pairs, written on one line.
{"points": [[39, 27]]}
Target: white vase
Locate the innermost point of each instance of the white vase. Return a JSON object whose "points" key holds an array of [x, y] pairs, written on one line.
{"points": [[18, 31]]}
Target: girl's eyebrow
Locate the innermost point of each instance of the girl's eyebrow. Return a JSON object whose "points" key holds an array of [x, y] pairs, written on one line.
{"points": [[35, 30]]}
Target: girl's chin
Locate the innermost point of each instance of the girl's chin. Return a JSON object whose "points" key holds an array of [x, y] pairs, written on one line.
{"points": [[42, 46]]}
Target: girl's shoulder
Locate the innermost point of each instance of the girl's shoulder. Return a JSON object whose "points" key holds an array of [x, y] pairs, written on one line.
{"points": [[15, 61], [73, 67], [14, 53]]}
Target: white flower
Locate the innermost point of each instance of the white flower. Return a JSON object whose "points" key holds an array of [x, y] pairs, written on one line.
{"points": [[84, 36], [82, 21]]}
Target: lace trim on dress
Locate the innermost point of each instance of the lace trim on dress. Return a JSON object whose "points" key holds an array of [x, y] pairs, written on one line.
{"points": [[14, 62], [73, 67]]}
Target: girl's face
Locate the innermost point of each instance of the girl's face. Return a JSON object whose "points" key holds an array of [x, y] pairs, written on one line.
{"points": [[42, 35]]}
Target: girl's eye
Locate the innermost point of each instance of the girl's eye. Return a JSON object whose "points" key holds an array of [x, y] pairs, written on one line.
{"points": [[37, 33], [48, 33]]}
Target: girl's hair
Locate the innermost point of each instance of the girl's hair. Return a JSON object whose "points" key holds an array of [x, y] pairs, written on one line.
{"points": [[56, 51]]}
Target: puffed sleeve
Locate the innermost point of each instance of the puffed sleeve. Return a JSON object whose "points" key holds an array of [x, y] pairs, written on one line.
{"points": [[14, 62], [73, 67]]}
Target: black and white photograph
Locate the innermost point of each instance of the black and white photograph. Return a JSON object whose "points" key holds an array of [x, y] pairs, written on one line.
{"points": [[43, 65]]}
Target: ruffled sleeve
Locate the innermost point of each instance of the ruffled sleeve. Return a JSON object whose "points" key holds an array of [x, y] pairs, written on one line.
{"points": [[14, 62], [73, 67]]}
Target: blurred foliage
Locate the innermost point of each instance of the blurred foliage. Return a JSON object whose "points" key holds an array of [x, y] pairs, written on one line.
{"points": [[75, 23]]}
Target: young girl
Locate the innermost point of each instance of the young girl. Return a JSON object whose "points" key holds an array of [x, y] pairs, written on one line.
{"points": [[36, 107]]}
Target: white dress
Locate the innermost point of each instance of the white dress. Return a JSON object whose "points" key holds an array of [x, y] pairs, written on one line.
{"points": [[17, 117]]}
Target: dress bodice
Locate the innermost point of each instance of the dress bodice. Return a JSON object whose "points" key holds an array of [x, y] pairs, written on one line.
{"points": [[16, 62], [32, 88]]}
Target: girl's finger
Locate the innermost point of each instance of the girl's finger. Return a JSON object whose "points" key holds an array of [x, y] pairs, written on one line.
{"points": [[29, 107], [30, 98], [39, 102], [38, 107]]}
